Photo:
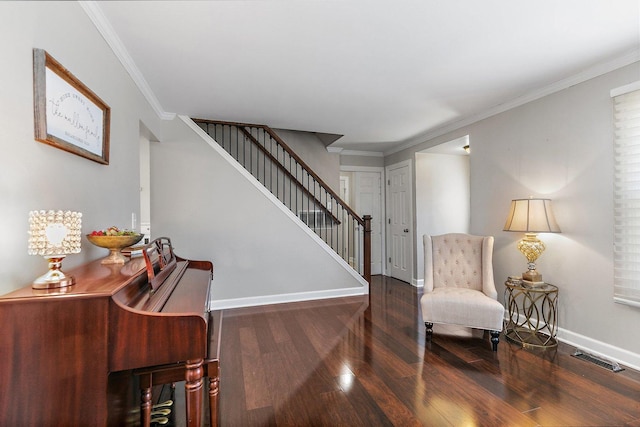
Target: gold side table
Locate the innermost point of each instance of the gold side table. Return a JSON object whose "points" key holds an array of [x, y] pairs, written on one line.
{"points": [[533, 314]]}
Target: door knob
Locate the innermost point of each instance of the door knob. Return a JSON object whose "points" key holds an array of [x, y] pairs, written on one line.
{"points": [[406, 230]]}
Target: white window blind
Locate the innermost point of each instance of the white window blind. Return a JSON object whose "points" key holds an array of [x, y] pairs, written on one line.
{"points": [[627, 198]]}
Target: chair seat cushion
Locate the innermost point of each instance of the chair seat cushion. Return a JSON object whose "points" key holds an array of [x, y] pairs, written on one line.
{"points": [[463, 307]]}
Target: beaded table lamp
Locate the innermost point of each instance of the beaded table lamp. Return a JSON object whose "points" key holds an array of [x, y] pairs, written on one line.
{"points": [[54, 235]]}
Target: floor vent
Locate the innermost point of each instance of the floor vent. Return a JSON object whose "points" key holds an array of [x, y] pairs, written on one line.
{"points": [[612, 366]]}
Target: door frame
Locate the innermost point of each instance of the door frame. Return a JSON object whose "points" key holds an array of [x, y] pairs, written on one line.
{"points": [[383, 231], [408, 163]]}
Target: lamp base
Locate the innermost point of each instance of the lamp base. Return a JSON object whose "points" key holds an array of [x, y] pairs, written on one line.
{"points": [[54, 278], [528, 284], [532, 276]]}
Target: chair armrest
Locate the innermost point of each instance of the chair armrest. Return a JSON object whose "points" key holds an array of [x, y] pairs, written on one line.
{"points": [[488, 285], [428, 263]]}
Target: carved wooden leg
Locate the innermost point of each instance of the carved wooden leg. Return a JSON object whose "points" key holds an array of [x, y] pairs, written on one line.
{"points": [[193, 391], [145, 400], [429, 330], [214, 389], [495, 338]]}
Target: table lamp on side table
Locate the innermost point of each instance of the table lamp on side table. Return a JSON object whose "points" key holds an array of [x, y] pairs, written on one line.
{"points": [[531, 216]]}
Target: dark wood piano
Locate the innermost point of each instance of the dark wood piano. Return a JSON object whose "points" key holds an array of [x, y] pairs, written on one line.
{"points": [[92, 356]]}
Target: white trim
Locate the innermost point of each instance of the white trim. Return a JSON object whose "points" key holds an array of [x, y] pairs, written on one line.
{"points": [[591, 346], [285, 298], [101, 22], [625, 89], [361, 153], [349, 168], [588, 74], [418, 283], [619, 300], [337, 150], [221, 151], [601, 349]]}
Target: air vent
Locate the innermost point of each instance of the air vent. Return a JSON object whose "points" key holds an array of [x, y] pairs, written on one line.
{"points": [[612, 366]]}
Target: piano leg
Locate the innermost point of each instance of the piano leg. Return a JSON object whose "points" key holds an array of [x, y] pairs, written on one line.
{"points": [[193, 391], [146, 383], [213, 372]]}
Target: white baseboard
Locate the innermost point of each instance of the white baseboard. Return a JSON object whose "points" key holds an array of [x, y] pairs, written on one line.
{"points": [[600, 349], [284, 298], [418, 283], [594, 347]]}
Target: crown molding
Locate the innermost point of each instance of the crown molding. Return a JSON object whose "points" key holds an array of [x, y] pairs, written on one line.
{"points": [[631, 87], [101, 22], [343, 152], [361, 153], [588, 74]]}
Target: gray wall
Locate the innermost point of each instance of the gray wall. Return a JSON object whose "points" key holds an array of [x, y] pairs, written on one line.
{"points": [[213, 210], [36, 176], [559, 147], [314, 153], [359, 160]]}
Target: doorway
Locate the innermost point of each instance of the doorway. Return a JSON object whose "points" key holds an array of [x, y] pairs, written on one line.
{"points": [[442, 194], [399, 221], [361, 188]]}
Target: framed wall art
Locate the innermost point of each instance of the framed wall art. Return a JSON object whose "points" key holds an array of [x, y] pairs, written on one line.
{"points": [[68, 115]]}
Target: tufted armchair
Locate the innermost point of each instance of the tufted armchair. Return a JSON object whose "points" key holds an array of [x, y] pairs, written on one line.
{"points": [[458, 284]]}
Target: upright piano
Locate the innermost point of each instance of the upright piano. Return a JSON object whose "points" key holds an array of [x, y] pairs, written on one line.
{"points": [[90, 355]]}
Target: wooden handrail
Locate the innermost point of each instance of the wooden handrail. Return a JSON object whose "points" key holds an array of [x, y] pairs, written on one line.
{"points": [[313, 174], [302, 163], [289, 174]]}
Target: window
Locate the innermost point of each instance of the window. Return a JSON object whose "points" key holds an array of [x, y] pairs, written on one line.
{"points": [[626, 243]]}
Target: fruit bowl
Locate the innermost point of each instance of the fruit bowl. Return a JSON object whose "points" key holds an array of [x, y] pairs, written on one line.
{"points": [[115, 244]]}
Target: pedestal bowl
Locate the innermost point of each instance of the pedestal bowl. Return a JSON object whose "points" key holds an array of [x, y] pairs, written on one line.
{"points": [[115, 244]]}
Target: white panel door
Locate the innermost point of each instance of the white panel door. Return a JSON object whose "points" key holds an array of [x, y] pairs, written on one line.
{"points": [[400, 222], [369, 202]]}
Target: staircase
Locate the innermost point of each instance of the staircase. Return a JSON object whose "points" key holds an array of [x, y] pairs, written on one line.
{"points": [[263, 153]]}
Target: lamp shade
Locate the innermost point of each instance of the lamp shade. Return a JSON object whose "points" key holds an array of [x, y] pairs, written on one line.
{"points": [[54, 232], [531, 216]]}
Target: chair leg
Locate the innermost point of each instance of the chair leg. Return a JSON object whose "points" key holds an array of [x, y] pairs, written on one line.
{"points": [[429, 330], [495, 339]]}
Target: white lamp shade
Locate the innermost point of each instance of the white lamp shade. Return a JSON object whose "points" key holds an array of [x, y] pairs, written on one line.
{"points": [[531, 216], [54, 232]]}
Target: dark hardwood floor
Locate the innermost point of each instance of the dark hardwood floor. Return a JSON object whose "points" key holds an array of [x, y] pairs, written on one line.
{"points": [[348, 362]]}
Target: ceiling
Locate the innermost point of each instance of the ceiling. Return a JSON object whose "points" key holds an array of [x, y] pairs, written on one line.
{"points": [[384, 74]]}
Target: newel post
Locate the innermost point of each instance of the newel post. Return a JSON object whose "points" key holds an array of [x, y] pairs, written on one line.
{"points": [[367, 249]]}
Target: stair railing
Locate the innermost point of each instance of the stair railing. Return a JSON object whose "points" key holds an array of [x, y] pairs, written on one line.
{"points": [[270, 160]]}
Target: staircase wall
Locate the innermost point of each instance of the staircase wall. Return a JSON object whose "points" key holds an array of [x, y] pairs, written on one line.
{"points": [[211, 208], [313, 151]]}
